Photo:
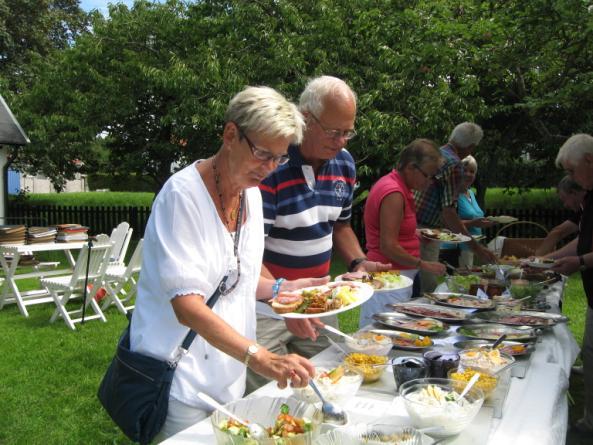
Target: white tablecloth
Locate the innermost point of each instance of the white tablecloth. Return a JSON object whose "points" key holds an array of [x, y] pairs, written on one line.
{"points": [[535, 411]]}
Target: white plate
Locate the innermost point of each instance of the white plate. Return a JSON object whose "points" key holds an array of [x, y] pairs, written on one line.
{"points": [[405, 282], [365, 292], [539, 264], [502, 219], [459, 237]]}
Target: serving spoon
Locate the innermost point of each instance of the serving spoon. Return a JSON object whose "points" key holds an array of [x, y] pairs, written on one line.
{"points": [[255, 429], [338, 332], [469, 386], [332, 414]]}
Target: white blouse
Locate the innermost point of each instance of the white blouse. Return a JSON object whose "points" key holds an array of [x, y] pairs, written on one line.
{"points": [[188, 250]]}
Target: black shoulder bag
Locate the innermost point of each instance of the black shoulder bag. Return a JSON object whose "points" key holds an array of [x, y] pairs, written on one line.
{"points": [[135, 388]]}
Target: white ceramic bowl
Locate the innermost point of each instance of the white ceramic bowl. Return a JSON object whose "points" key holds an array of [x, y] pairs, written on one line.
{"points": [[264, 410], [447, 418], [338, 391], [369, 343]]}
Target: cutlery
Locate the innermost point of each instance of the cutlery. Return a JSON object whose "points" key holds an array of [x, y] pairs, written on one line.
{"points": [[498, 341], [338, 332], [469, 385], [332, 414], [255, 429]]}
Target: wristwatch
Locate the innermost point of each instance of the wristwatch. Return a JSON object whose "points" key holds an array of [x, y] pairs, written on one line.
{"points": [[251, 351], [583, 266], [355, 262]]}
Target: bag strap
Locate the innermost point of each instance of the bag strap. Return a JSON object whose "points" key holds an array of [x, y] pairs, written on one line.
{"points": [[189, 338]]}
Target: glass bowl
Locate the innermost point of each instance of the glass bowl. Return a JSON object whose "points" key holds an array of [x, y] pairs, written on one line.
{"points": [[369, 343], [485, 359], [366, 365], [379, 434], [265, 410], [337, 383], [445, 418], [487, 381]]}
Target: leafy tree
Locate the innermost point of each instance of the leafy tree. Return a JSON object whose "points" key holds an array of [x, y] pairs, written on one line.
{"points": [[154, 80]]}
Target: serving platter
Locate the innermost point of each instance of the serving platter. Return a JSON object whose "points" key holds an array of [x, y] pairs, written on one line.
{"points": [[502, 219], [444, 236], [512, 348], [430, 310], [362, 293], [404, 340], [462, 301], [540, 263], [422, 326], [493, 331], [523, 318], [380, 281]]}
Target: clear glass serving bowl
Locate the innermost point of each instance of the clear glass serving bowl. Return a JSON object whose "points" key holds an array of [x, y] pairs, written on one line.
{"points": [[444, 418], [264, 410], [375, 434], [333, 390], [369, 343]]}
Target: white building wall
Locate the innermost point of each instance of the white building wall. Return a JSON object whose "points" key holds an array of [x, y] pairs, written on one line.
{"points": [[41, 184]]}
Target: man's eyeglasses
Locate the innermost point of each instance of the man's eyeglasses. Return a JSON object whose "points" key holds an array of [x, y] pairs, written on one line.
{"points": [[335, 134], [263, 155], [426, 175]]}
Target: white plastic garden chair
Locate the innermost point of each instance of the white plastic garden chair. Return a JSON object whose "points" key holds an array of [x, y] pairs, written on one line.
{"points": [[120, 237], [116, 278], [63, 289]]}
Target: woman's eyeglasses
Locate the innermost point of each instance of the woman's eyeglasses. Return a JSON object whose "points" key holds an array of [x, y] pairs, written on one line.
{"points": [[335, 134], [426, 175], [263, 155]]}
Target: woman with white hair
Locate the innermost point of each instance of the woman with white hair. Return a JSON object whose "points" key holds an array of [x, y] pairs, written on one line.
{"points": [[207, 223], [470, 213], [576, 158]]}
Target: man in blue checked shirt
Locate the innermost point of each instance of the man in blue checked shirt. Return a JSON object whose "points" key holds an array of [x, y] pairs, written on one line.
{"points": [[436, 207]]}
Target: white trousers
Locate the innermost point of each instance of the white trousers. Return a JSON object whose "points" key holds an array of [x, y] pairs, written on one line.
{"points": [[179, 417]]}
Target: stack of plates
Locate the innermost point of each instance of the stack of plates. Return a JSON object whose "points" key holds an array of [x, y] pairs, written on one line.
{"points": [[71, 233], [12, 235], [36, 235]]}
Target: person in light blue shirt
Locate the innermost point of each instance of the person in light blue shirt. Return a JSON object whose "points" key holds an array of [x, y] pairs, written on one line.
{"points": [[469, 212]]}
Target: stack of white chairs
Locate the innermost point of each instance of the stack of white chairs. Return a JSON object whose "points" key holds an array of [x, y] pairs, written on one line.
{"points": [[120, 237], [64, 288], [121, 283]]}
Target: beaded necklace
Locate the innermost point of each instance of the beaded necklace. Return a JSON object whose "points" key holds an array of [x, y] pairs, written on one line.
{"points": [[224, 288], [233, 215]]}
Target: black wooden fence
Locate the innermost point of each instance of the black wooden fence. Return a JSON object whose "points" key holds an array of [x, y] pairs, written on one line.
{"points": [[104, 219], [529, 227]]}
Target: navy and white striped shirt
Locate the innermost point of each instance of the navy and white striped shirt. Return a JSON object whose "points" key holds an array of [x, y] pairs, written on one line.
{"points": [[300, 211]]}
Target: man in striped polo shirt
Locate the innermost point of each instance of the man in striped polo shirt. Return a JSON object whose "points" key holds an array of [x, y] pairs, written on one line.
{"points": [[307, 205]]}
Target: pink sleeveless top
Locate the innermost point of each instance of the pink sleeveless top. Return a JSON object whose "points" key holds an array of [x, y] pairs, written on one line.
{"points": [[390, 183]]}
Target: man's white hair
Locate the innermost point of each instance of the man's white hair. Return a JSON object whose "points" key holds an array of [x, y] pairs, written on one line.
{"points": [[318, 89], [574, 149], [466, 134], [471, 161], [264, 110]]}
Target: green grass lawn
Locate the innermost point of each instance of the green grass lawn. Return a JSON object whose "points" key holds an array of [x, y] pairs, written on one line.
{"points": [[498, 198], [50, 374]]}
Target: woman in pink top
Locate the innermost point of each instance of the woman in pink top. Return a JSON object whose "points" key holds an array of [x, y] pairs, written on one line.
{"points": [[390, 221]]}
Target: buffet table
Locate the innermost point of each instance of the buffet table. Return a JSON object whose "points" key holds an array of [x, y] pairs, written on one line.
{"points": [[532, 411]]}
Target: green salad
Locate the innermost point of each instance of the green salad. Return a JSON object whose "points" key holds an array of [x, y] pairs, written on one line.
{"points": [[462, 283]]}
